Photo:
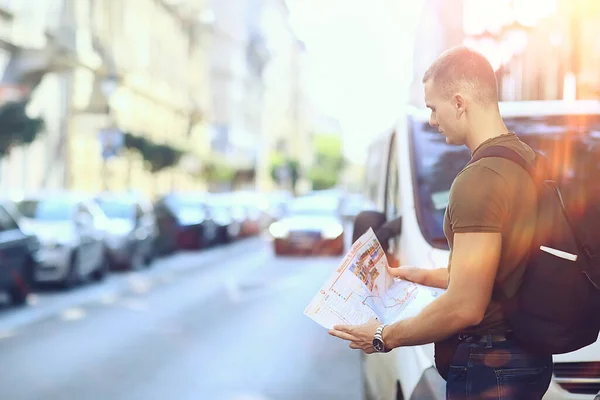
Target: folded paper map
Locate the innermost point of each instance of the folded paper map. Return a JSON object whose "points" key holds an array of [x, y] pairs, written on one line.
{"points": [[361, 288]]}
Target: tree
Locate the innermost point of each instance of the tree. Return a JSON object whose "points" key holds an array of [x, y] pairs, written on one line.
{"points": [[329, 161], [219, 171], [16, 127], [285, 170], [156, 156]]}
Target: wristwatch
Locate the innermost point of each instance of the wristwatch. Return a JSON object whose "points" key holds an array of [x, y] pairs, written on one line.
{"points": [[378, 343]]}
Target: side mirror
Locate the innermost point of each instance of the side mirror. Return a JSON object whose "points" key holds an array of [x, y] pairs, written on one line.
{"points": [[384, 230]]}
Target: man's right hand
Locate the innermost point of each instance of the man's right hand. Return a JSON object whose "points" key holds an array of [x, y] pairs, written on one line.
{"points": [[412, 274], [429, 277]]}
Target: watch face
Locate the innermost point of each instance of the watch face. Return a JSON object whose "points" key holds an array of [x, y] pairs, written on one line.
{"points": [[378, 344]]}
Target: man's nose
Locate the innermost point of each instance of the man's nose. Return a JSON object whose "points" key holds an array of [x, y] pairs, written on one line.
{"points": [[432, 122]]}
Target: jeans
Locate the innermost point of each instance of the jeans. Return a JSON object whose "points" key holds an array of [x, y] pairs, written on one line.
{"points": [[502, 370]]}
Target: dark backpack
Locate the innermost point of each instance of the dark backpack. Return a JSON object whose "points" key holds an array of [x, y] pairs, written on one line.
{"points": [[557, 307]]}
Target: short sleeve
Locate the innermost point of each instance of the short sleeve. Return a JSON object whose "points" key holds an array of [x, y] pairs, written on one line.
{"points": [[479, 201]]}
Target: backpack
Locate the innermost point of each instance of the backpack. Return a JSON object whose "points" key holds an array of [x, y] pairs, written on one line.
{"points": [[556, 309]]}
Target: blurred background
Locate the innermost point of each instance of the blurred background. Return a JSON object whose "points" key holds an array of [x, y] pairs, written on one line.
{"points": [[162, 160]]}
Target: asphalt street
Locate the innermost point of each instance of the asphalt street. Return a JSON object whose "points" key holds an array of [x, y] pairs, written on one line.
{"points": [[220, 324]]}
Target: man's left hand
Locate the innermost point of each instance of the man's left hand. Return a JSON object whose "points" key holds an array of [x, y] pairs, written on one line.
{"points": [[359, 336]]}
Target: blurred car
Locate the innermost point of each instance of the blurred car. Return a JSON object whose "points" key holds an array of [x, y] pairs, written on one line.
{"points": [[184, 222], [131, 230], [19, 253], [312, 226], [254, 220], [70, 229], [229, 228], [246, 210], [240, 216]]}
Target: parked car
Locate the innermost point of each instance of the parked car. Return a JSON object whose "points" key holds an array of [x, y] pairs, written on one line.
{"points": [[18, 256], [312, 226], [244, 212], [229, 228], [184, 222], [254, 220], [410, 172], [131, 230], [70, 229]]}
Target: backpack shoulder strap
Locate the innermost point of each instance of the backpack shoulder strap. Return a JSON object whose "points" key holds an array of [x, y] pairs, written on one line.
{"points": [[504, 152]]}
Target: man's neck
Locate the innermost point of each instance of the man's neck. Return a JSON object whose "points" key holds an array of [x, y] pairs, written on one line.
{"points": [[485, 127]]}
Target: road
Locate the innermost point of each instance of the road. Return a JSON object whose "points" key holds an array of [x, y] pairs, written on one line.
{"points": [[221, 324]]}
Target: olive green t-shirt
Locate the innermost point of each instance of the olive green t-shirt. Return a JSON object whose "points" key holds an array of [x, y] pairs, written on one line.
{"points": [[496, 195]]}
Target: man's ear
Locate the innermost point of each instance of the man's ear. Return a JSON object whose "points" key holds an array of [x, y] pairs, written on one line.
{"points": [[460, 104]]}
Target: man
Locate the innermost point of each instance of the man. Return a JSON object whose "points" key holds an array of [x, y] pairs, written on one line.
{"points": [[488, 227]]}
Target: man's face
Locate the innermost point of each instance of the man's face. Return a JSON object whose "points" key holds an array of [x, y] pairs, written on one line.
{"points": [[444, 115]]}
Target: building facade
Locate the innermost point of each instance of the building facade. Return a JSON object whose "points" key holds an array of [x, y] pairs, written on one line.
{"points": [[540, 50], [259, 103], [440, 27], [136, 66]]}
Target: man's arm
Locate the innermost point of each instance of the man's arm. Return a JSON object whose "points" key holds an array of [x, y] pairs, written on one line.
{"points": [[437, 278], [475, 258]]}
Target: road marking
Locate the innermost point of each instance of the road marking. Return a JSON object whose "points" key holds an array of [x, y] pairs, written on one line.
{"points": [[140, 284], [33, 299], [73, 314], [109, 298], [6, 334], [134, 304]]}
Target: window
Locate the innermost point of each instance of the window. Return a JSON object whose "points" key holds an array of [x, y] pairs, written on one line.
{"points": [[392, 202], [570, 143], [139, 213], [47, 210], [7, 223], [314, 205], [115, 208]]}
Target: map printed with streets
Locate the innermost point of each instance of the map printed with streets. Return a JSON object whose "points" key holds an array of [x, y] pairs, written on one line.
{"points": [[361, 288]]}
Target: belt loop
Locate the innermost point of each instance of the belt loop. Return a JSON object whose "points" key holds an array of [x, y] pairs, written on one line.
{"points": [[488, 341]]}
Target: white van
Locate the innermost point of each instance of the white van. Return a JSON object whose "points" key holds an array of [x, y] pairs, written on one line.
{"points": [[410, 170]]}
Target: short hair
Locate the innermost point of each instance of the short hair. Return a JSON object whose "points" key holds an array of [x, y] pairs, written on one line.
{"points": [[462, 67]]}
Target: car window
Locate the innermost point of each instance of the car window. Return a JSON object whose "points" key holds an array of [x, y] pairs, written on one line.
{"points": [[7, 223], [392, 204], [139, 213], [570, 143], [116, 209], [187, 209], [314, 205], [47, 209]]}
